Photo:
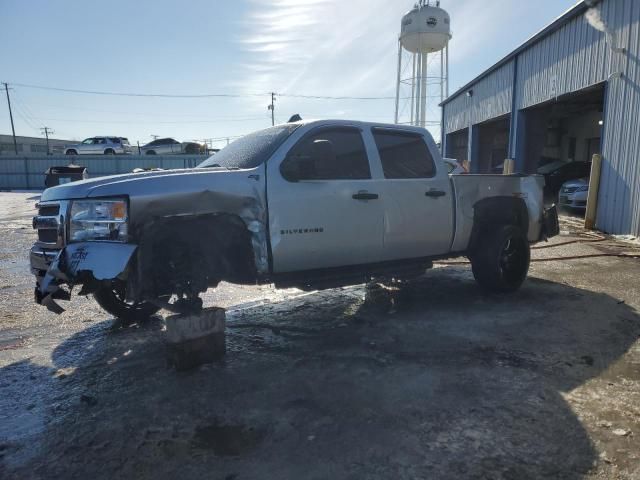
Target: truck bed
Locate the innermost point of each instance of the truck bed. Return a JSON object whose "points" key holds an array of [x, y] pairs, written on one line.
{"points": [[470, 189]]}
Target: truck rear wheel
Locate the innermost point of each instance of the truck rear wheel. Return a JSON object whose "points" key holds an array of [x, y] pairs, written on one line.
{"points": [[500, 260], [112, 300]]}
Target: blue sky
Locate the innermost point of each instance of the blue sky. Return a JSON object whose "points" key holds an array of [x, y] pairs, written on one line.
{"points": [[249, 47]]}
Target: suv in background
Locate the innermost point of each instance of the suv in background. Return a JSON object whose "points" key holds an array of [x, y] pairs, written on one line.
{"points": [[100, 146], [170, 146]]}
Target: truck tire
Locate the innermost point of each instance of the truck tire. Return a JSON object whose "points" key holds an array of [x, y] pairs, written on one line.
{"points": [[112, 302], [500, 260], [71, 152]]}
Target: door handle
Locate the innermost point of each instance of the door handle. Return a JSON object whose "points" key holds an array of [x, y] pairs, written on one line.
{"points": [[435, 193], [365, 196]]}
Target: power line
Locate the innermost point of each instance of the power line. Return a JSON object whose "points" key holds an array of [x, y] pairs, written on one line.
{"points": [[324, 97], [50, 106], [25, 113], [130, 94], [25, 118], [204, 95], [137, 122]]}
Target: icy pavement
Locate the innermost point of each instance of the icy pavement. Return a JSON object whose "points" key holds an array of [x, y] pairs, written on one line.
{"points": [[429, 379]]}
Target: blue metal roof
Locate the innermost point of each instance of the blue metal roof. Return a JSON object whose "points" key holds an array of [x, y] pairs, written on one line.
{"points": [[573, 12]]}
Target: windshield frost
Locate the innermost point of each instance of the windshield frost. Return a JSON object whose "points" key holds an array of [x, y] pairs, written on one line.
{"points": [[251, 150]]}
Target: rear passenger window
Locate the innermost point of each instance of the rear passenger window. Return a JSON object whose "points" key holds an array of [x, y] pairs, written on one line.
{"points": [[332, 154], [404, 155]]}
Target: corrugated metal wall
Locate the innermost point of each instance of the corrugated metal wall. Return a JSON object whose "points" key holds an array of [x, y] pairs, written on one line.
{"points": [[492, 97], [457, 114], [569, 59], [619, 205], [574, 57], [28, 172]]}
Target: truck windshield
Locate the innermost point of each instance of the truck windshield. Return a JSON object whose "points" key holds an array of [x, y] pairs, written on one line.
{"points": [[251, 150]]}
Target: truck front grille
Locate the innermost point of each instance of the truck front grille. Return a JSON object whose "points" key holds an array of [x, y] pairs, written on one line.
{"points": [[48, 210], [50, 224], [48, 236]]}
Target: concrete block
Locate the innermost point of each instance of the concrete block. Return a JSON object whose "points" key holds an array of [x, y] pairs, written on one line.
{"points": [[196, 339]]}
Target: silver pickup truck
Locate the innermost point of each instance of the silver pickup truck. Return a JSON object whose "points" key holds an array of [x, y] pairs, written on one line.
{"points": [[311, 205]]}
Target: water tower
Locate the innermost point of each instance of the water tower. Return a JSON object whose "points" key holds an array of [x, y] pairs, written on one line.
{"points": [[423, 64]]}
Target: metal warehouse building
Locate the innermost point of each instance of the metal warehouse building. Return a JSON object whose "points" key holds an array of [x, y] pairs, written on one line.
{"points": [[569, 92]]}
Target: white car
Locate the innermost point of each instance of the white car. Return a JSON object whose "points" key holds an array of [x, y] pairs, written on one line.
{"points": [[100, 146], [574, 193], [170, 146]]}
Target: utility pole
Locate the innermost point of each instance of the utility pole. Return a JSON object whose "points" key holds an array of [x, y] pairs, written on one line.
{"points": [[47, 131], [13, 129], [272, 107]]}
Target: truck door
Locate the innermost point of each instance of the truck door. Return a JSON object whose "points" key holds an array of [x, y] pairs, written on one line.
{"points": [[324, 208], [418, 203]]}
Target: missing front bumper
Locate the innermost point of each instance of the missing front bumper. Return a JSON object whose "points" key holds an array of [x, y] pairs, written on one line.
{"points": [[76, 264]]}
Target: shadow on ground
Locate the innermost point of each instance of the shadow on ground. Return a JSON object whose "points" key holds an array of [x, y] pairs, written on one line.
{"points": [[443, 382]]}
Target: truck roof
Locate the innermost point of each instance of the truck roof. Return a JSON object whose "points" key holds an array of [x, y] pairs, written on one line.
{"points": [[361, 124]]}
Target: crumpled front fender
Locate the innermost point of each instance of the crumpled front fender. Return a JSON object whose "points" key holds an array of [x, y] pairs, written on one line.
{"points": [[100, 260]]}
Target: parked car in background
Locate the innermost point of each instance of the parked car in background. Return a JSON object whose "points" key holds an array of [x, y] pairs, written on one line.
{"points": [[170, 146], [100, 146], [574, 193], [557, 173], [454, 166]]}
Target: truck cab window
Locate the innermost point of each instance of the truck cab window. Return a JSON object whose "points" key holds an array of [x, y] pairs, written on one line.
{"points": [[334, 154], [404, 155]]}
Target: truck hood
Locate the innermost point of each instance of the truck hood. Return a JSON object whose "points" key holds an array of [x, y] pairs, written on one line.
{"points": [[134, 183], [179, 193]]}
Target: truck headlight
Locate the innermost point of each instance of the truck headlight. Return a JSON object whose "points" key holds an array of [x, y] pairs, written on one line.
{"points": [[98, 220]]}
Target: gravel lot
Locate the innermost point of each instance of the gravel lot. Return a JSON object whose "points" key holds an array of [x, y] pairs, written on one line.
{"points": [[429, 380]]}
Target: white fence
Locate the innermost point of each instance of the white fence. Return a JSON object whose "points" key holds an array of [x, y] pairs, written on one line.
{"points": [[26, 172]]}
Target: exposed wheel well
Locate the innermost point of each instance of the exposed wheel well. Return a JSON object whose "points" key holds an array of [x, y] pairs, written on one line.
{"points": [[497, 211], [187, 255]]}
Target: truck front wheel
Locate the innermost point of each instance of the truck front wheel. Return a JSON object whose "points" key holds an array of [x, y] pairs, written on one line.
{"points": [[112, 300], [500, 260]]}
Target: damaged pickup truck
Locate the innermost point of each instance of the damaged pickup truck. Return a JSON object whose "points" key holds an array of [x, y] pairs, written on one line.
{"points": [[312, 205]]}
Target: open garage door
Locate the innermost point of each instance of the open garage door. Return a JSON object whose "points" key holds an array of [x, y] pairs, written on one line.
{"points": [[458, 145], [492, 145], [558, 139], [567, 129]]}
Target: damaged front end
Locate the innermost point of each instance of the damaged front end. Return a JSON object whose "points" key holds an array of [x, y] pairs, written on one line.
{"points": [[89, 264], [80, 242], [167, 237]]}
